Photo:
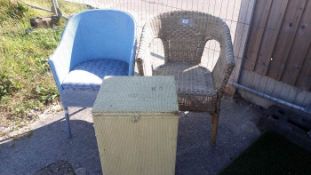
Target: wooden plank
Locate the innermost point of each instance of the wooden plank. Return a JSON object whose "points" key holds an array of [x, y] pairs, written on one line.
{"points": [[247, 78], [261, 15], [245, 17], [270, 86], [256, 82], [304, 98], [240, 39], [286, 38], [304, 79], [300, 48], [274, 88], [270, 36]]}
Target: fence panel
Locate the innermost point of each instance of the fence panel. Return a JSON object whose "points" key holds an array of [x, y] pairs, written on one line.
{"points": [[279, 41], [299, 50], [286, 38], [278, 52]]}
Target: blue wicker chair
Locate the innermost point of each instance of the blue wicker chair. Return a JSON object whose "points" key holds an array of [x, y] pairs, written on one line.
{"points": [[95, 44]]}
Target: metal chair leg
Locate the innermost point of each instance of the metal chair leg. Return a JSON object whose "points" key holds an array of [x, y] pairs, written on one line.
{"points": [[68, 122]]}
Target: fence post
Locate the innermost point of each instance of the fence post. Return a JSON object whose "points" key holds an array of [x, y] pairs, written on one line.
{"points": [[55, 7], [240, 41]]}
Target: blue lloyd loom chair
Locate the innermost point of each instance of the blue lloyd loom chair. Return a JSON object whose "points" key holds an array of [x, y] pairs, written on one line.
{"points": [[95, 44]]}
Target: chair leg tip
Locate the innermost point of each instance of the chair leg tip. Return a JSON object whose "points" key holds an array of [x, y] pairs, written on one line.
{"points": [[213, 142]]}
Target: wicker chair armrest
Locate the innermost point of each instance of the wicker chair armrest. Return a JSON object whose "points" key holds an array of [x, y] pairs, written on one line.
{"points": [[143, 61], [225, 64]]}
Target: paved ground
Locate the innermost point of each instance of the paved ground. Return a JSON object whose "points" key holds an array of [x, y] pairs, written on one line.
{"points": [[195, 155]]}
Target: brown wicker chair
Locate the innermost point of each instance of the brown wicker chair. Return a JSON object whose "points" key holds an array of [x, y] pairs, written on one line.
{"points": [[184, 35]]}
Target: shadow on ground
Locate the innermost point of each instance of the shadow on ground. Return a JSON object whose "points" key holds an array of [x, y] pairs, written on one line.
{"points": [[195, 155]]}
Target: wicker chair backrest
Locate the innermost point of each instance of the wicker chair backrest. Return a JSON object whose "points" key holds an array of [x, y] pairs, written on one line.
{"points": [[185, 33]]}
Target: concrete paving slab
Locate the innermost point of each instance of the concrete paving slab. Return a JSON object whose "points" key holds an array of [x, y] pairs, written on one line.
{"points": [[48, 142]]}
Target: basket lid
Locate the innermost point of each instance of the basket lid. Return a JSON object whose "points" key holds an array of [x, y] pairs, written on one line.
{"points": [[137, 94]]}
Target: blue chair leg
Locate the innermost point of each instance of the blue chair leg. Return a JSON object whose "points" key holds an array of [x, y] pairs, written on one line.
{"points": [[68, 122]]}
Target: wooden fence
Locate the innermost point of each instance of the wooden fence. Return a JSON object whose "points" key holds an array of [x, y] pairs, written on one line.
{"points": [[277, 59]]}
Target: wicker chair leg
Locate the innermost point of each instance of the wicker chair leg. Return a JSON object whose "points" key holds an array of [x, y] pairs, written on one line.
{"points": [[68, 122], [215, 118]]}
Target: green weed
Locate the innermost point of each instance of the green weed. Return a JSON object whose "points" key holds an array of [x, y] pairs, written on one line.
{"points": [[26, 83], [6, 85]]}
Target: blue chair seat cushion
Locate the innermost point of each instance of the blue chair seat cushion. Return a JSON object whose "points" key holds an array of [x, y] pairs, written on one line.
{"points": [[88, 75]]}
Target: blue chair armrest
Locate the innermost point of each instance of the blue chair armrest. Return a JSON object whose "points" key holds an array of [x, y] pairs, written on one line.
{"points": [[60, 66], [58, 72], [60, 60], [132, 60]]}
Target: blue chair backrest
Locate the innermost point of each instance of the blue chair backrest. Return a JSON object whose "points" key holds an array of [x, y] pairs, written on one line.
{"points": [[101, 34]]}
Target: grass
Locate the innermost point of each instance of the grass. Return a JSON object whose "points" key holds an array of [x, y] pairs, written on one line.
{"points": [[271, 154], [26, 83]]}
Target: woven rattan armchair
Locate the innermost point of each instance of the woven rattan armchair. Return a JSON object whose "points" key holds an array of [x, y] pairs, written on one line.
{"points": [[184, 35]]}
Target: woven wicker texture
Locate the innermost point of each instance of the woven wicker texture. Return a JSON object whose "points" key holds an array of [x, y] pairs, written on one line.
{"points": [[184, 35], [137, 94], [88, 75], [81, 85], [186, 75]]}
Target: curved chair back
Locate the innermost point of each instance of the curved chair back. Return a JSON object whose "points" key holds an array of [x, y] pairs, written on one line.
{"points": [[101, 34], [185, 33]]}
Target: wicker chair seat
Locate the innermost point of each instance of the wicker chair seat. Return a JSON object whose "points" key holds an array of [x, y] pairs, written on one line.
{"points": [[193, 98], [81, 85], [89, 74]]}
